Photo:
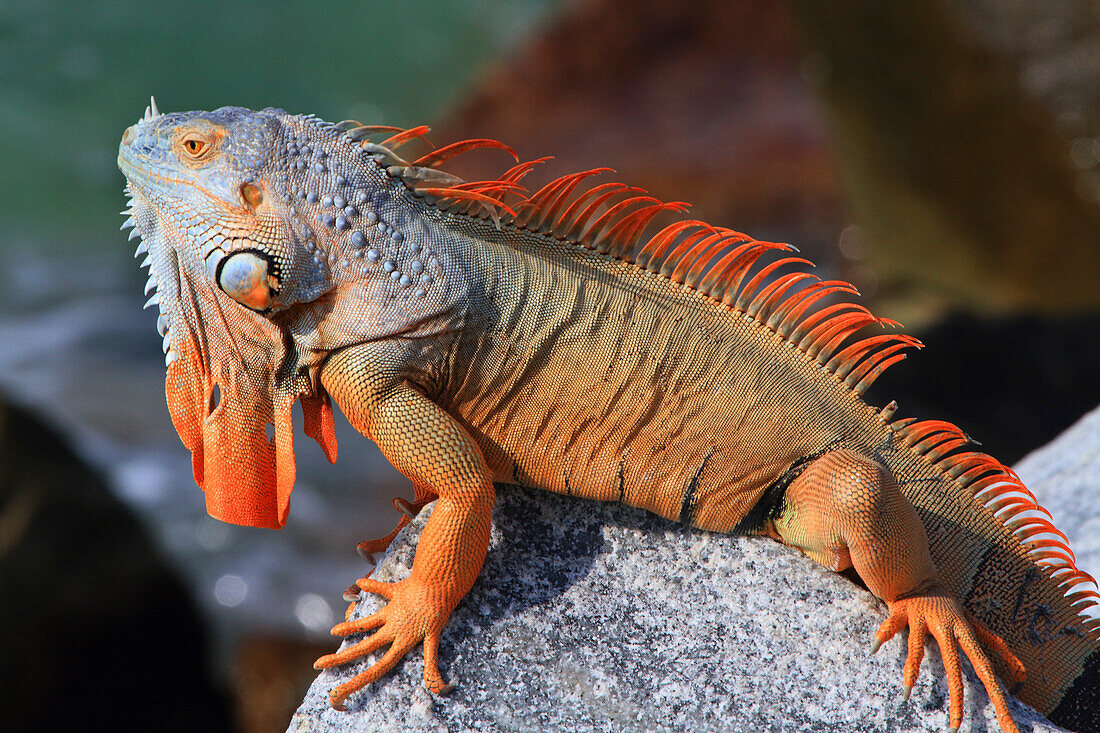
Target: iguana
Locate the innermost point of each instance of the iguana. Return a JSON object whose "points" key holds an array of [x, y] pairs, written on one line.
{"points": [[478, 332]]}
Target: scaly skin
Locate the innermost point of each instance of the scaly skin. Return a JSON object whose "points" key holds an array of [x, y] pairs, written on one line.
{"points": [[553, 345]]}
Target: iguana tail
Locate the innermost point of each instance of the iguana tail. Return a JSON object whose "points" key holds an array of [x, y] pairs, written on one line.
{"points": [[997, 549]]}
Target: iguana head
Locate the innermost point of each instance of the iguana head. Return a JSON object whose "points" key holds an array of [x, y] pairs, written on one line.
{"points": [[268, 246]]}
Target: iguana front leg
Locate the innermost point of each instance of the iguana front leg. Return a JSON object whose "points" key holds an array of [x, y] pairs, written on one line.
{"points": [[426, 444], [845, 510]]}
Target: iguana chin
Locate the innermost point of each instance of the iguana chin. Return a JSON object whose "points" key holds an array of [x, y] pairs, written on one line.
{"points": [[479, 333]]}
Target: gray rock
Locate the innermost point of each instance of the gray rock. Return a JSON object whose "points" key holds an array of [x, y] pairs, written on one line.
{"points": [[592, 616]]}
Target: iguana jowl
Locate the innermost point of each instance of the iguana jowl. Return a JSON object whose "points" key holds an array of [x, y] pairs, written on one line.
{"points": [[481, 334]]}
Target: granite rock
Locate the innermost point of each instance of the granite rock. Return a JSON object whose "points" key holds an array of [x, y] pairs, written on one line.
{"points": [[592, 616]]}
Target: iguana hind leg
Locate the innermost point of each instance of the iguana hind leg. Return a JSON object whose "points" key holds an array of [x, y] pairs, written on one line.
{"points": [[846, 511]]}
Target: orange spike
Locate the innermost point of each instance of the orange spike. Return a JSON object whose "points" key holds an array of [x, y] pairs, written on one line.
{"points": [[1008, 501], [1060, 558], [842, 335], [725, 239], [968, 477], [832, 319], [778, 315], [592, 232], [1054, 544], [858, 352], [868, 379], [403, 137], [550, 188], [1032, 526], [845, 360], [807, 298], [654, 249], [767, 299], [619, 238], [966, 461], [737, 261], [574, 217], [467, 195], [371, 129], [536, 206], [834, 332], [770, 291], [994, 482], [554, 205], [739, 271], [1069, 577], [944, 448], [739, 241], [750, 290], [775, 297], [899, 426], [434, 158], [801, 335], [676, 257], [535, 201], [932, 440], [690, 269], [489, 187], [517, 172]]}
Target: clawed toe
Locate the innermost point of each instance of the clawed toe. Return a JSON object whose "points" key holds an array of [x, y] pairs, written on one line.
{"points": [[943, 619]]}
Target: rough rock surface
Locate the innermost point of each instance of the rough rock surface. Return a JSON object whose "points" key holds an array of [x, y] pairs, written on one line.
{"points": [[593, 616]]}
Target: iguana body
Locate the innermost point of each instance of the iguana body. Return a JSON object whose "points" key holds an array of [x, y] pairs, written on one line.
{"points": [[553, 345]]}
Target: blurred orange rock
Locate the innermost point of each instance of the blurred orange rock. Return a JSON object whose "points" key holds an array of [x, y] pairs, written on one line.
{"points": [[703, 102]]}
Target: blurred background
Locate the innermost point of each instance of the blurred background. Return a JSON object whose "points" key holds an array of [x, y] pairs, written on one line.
{"points": [[944, 155]]}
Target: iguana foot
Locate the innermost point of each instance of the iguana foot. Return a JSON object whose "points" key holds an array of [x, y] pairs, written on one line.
{"points": [[943, 617], [416, 613]]}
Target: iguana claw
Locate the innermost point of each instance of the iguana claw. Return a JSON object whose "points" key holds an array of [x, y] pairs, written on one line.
{"points": [[366, 554]]}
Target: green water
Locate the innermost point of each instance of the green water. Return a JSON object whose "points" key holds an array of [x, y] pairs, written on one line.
{"points": [[74, 75]]}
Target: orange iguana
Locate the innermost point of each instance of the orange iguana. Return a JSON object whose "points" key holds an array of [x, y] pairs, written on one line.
{"points": [[481, 334]]}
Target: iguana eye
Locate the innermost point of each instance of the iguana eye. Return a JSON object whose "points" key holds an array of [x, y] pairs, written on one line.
{"points": [[246, 278], [195, 146]]}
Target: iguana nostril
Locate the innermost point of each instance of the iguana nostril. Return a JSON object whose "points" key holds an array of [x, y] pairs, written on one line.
{"points": [[244, 277], [128, 136]]}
